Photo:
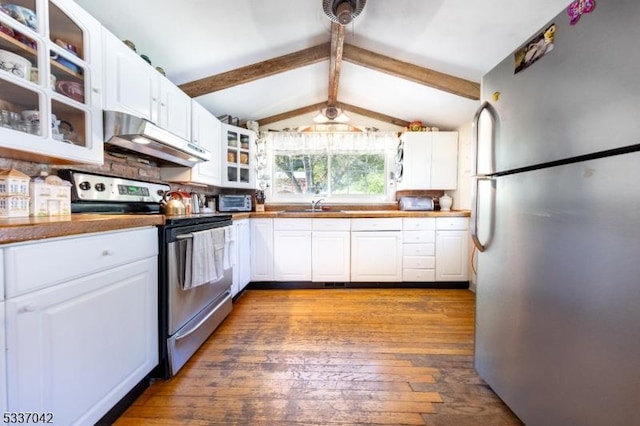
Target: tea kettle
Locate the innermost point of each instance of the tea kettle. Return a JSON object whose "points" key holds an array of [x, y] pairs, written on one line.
{"points": [[172, 204]]}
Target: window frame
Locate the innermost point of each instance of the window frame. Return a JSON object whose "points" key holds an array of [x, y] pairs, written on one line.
{"points": [[389, 154]]}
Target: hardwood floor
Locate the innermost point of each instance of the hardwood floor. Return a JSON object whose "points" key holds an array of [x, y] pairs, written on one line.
{"points": [[332, 356]]}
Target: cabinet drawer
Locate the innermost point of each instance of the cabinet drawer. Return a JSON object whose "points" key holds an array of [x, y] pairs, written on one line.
{"points": [[426, 249], [452, 223], [292, 224], [331, 224], [419, 275], [62, 259], [418, 224], [418, 236], [377, 224], [419, 262]]}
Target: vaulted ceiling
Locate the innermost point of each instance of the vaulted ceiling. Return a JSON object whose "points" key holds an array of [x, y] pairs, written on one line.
{"points": [[269, 60]]}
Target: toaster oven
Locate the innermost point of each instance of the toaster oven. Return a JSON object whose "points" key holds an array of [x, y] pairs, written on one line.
{"points": [[234, 203]]}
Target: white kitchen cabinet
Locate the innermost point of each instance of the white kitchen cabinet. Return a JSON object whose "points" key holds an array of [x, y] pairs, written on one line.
{"points": [[134, 87], [67, 84], [205, 132], [429, 160], [174, 105], [3, 352], [376, 250], [262, 249], [292, 249], [331, 250], [91, 337], [3, 361], [452, 249], [242, 247], [418, 249], [238, 158]]}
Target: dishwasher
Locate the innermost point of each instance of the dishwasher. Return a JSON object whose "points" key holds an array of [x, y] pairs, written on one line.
{"points": [[376, 250]]}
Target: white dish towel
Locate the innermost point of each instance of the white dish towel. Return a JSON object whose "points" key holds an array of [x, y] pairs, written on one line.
{"points": [[200, 262]]}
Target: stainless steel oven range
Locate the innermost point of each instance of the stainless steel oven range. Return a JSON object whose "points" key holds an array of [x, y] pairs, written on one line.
{"points": [[187, 314]]}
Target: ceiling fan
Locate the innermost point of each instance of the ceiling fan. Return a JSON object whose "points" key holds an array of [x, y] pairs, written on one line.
{"points": [[343, 11]]}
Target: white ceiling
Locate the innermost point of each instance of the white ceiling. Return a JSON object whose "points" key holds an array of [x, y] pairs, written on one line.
{"points": [[192, 39]]}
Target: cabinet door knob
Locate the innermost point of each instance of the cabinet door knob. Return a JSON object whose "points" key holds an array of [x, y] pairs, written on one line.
{"points": [[95, 90], [28, 308], [107, 252]]}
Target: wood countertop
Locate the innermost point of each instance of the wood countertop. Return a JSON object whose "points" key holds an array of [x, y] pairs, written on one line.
{"points": [[353, 214], [18, 229]]}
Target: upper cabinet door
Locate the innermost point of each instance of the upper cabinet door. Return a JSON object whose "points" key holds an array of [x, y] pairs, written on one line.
{"points": [[131, 86], [429, 160], [50, 84], [238, 168], [444, 160], [174, 108], [206, 132], [134, 87]]}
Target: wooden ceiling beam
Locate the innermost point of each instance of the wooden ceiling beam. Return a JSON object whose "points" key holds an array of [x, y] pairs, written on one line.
{"points": [[407, 71], [374, 115], [347, 107], [257, 71], [293, 113], [335, 61]]}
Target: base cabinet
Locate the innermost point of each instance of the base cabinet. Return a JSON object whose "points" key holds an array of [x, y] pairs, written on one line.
{"points": [[82, 334], [242, 247], [376, 250], [261, 249], [76, 348], [330, 260], [331, 250], [292, 249], [3, 362], [452, 249], [418, 249]]}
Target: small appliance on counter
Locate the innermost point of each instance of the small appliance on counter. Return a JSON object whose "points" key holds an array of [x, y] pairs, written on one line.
{"points": [[416, 203], [234, 203]]}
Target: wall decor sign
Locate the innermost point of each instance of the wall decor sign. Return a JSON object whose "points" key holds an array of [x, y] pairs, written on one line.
{"points": [[579, 8], [534, 49]]}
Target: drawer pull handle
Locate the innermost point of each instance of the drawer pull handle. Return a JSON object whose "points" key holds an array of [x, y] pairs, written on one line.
{"points": [[107, 252], [28, 308]]}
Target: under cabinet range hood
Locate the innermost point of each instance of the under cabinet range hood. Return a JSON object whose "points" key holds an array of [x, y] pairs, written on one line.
{"points": [[131, 133]]}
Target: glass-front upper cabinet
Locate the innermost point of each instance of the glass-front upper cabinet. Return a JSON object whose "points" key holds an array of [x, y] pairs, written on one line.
{"points": [[50, 82], [237, 157]]}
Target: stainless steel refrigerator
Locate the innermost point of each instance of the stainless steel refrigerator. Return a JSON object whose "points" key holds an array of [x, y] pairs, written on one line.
{"points": [[556, 220]]}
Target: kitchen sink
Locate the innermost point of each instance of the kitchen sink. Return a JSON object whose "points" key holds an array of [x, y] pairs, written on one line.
{"points": [[312, 211]]}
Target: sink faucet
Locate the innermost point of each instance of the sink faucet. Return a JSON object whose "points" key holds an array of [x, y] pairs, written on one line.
{"points": [[315, 205]]}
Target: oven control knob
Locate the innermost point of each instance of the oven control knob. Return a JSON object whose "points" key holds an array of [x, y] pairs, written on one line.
{"points": [[85, 186], [100, 187]]}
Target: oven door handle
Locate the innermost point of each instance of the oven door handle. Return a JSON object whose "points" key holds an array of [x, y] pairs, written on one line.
{"points": [[193, 329]]}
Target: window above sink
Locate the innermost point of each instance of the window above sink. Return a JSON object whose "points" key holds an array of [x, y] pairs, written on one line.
{"points": [[340, 167]]}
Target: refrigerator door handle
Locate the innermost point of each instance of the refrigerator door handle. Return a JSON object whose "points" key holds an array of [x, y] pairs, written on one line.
{"points": [[493, 114], [481, 246]]}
